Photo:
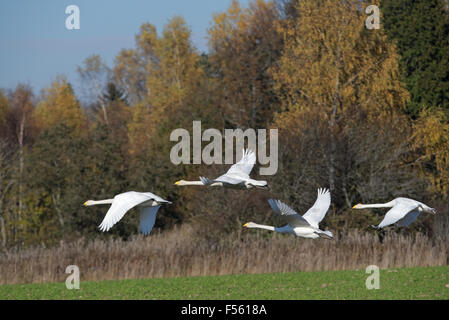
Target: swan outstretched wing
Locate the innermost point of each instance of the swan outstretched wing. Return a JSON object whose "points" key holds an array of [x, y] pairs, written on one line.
{"points": [[288, 214], [317, 212], [409, 218], [398, 212], [244, 166], [148, 218], [152, 196], [225, 179], [230, 179], [122, 203]]}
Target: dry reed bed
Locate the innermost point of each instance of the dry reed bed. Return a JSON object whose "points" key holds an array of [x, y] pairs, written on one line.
{"points": [[180, 252]]}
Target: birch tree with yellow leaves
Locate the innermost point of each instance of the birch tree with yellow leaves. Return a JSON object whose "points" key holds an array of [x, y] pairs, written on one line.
{"points": [[60, 105], [244, 45], [339, 85]]}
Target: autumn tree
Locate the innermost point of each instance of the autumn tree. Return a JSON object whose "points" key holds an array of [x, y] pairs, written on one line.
{"points": [[119, 116], [94, 75], [6, 183], [55, 181], [341, 124], [176, 93], [105, 175], [431, 137], [130, 66], [244, 45], [54, 164], [5, 165], [172, 77], [4, 108], [21, 132], [60, 105]]}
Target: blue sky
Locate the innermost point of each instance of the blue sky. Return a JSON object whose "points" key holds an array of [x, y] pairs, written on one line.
{"points": [[36, 46]]}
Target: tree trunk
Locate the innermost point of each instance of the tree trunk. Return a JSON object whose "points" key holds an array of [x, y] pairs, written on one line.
{"points": [[3, 232], [56, 200], [333, 121], [2, 220], [21, 162], [333, 144]]}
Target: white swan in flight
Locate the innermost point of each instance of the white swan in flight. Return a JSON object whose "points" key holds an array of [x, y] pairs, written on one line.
{"points": [[236, 177], [305, 226], [403, 211], [148, 202]]}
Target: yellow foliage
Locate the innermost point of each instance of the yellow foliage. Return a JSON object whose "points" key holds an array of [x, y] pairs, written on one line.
{"points": [[169, 82], [243, 45], [332, 63], [137, 128], [3, 109], [59, 105], [172, 80], [432, 138]]}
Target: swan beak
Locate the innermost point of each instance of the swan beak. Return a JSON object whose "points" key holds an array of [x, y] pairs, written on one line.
{"points": [[246, 224], [355, 206], [177, 182], [85, 203]]}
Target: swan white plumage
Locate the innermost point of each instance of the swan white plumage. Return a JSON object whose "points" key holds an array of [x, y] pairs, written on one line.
{"points": [[148, 202], [403, 211], [236, 177], [305, 226]]}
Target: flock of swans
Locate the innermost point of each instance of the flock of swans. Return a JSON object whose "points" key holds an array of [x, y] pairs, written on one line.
{"points": [[403, 210]]}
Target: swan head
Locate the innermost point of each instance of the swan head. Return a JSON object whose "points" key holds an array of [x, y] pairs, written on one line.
{"points": [[357, 206], [88, 203], [249, 225], [180, 182]]}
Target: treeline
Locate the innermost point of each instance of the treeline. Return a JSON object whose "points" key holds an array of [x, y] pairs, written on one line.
{"points": [[363, 112]]}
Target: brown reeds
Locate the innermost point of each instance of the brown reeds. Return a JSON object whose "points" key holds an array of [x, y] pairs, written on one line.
{"points": [[180, 252]]}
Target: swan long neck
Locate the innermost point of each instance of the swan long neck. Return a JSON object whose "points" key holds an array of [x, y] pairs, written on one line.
{"points": [[95, 202], [375, 205], [189, 183], [261, 226], [197, 183]]}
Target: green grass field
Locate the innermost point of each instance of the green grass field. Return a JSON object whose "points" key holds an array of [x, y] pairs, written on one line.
{"points": [[402, 283]]}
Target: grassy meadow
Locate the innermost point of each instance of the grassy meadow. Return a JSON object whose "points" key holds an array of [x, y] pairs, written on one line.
{"points": [[178, 264], [397, 283]]}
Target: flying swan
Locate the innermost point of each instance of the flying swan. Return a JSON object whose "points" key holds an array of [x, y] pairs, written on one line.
{"points": [[148, 203], [403, 211], [236, 177], [305, 226]]}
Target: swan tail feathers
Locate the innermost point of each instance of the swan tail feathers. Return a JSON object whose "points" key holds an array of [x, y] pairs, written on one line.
{"points": [[326, 235]]}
